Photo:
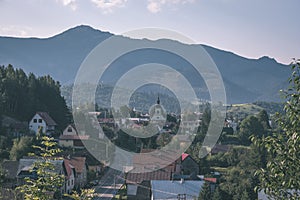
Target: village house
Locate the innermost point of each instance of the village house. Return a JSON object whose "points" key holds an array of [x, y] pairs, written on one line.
{"points": [[70, 174], [150, 167], [188, 165], [136, 182], [26, 169], [81, 168], [190, 126], [43, 121], [71, 138], [174, 190], [14, 127], [158, 167]]}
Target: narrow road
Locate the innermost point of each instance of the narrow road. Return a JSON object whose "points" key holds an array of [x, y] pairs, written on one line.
{"points": [[109, 184]]}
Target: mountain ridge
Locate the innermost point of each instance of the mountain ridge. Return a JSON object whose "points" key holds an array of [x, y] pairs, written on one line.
{"points": [[62, 54]]}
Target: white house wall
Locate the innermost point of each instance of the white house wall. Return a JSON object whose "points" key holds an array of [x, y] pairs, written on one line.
{"points": [[34, 126]]}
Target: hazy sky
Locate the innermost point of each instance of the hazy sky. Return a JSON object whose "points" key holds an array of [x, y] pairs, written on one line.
{"points": [[251, 28]]}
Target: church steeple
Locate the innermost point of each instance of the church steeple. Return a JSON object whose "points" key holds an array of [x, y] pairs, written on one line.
{"points": [[158, 100]]}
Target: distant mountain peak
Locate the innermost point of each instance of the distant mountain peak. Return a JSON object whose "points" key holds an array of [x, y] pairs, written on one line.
{"points": [[267, 59], [246, 80], [82, 30], [82, 27]]}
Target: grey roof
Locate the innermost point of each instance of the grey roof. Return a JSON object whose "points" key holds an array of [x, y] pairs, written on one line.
{"points": [[27, 164], [171, 189], [11, 167], [46, 117]]}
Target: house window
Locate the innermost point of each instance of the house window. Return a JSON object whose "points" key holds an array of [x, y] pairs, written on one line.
{"points": [[68, 182], [40, 120], [69, 129], [72, 181], [34, 120]]}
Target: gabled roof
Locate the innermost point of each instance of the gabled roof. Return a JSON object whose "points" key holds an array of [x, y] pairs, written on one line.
{"points": [[73, 127], [184, 156], [69, 168], [74, 137], [13, 123], [161, 174], [46, 117], [27, 164], [154, 160], [152, 165], [171, 189], [78, 163]]}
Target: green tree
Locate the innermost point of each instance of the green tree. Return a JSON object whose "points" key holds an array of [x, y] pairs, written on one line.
{"points": [[245, 196], [217, 195], [47, 184], [163, 139], [2, 175], [48, 181], [85, 194], [264, 119], [205, 193], [21, 147], [250, 126], [280, 178], [21, 96]]}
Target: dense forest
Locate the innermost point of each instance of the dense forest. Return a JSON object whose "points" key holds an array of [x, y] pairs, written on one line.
{"points": [[22, 95]]}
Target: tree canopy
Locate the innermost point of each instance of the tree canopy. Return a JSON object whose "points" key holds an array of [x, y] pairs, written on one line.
{"points": [[280, 178], [22, 95]]}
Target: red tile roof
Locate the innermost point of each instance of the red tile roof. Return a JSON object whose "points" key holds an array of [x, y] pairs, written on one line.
{"points": [[152, 166], [68, 167], [153, 161], [161, 174], [212, 180], [78, 163], [184, 156]]}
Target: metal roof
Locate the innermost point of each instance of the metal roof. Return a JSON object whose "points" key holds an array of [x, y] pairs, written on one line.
{"points": [[171, 189]]}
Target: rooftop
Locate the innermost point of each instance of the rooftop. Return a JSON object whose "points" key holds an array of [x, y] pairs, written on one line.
{"points": [[171, 189], [46, 117]]}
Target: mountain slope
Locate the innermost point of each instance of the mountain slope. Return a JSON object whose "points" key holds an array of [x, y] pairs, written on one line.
{"points": [[246, 80]]}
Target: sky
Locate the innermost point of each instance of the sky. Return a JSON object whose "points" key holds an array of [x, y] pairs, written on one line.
{"points": [[250, 28]]}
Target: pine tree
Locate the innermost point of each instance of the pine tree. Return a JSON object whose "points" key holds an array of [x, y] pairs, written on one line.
{"points": [[217, 195], [205, 193]]}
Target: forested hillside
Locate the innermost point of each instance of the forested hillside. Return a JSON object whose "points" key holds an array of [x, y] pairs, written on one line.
{"points": [[22, 95], [245, 80]]}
